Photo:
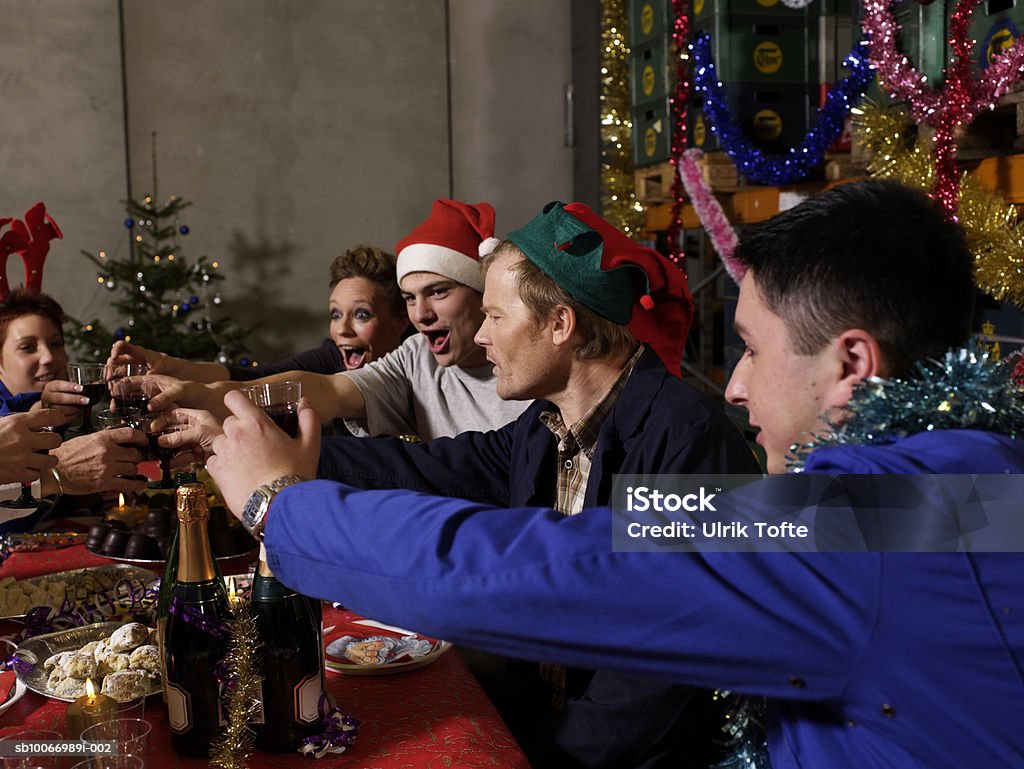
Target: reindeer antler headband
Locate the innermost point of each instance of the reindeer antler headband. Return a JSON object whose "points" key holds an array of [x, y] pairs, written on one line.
{"points": [[30, 238]]}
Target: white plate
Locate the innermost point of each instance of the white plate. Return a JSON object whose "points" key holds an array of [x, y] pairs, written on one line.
{"points": [[411, 650], [19, 690]]}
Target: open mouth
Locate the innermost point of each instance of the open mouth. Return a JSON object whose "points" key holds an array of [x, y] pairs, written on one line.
{"points": [[354, 357], [437, 341]]}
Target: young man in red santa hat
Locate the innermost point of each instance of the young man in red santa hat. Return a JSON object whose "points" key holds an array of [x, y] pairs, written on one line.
{"points": [[438, 382], [592, 326]]}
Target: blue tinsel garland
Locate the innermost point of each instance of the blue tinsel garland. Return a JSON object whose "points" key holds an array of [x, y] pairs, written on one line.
{"points": [[796, 162]]}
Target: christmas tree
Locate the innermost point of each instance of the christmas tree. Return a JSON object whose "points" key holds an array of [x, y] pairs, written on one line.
{"points": [[164, 302]]}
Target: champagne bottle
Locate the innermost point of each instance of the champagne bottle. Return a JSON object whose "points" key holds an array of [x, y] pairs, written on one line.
{"points": [[292, 655], [195, 631], [167, 583]]}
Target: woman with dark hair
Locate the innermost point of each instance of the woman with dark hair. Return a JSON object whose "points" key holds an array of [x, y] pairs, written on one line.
{"points": [[33, 364], [31, 348], [367, 321]]}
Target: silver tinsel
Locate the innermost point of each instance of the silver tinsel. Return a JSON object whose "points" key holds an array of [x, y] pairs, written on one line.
{"points": [[967, 389]]}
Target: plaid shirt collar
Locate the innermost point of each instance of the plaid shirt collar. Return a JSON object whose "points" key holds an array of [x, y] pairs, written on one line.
{"points": [[585, 432]]}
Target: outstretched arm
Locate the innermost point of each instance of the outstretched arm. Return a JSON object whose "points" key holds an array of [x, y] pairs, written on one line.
{"points": [[162, 363], [332, 396]]}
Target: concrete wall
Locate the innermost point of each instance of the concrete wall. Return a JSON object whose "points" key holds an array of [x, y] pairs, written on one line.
{"points": [[297, 128]]}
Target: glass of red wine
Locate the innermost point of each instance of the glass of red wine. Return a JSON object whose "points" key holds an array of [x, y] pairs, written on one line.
{"points": [[122, 416], [92, 377], [155, 425], [133, 392], [280, 402], [25, 500]]}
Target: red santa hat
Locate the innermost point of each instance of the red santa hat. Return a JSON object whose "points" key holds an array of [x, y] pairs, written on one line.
{"points": [[449, 242]]}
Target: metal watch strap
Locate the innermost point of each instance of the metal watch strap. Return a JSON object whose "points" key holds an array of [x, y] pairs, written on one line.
{"points": [[268, 491]]}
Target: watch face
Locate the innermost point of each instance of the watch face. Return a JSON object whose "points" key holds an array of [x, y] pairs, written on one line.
{"points": [[254, 509]]}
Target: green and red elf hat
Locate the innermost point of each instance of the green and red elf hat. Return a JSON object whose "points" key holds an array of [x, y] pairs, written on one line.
{"points": [[606, 272]]}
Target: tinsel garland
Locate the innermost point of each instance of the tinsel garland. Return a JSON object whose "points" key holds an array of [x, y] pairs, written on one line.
{"points": [[709, 211], [960, 99], [241, 687], [796, 162], [679, 101], [618, 197], [904, 83], [967, 389], [994, 233]]}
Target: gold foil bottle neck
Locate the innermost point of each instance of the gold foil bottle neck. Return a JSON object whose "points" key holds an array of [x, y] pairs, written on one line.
{"points": [[191, 502]]}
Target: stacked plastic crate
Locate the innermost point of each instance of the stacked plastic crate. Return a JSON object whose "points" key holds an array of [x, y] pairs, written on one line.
{"points": [[766, 54], [650, 80]]}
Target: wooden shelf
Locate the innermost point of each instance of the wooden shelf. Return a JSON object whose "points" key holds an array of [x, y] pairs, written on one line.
{"points": [[748, 205]]}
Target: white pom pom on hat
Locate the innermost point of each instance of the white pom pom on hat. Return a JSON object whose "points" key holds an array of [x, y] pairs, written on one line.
{"points": [[487, 246]]}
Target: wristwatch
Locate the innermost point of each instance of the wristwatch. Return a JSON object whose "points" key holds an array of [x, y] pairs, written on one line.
{"points": [[254, 514]]}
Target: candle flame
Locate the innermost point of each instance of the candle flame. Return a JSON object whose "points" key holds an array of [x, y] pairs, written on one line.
{"points": [[231, 590], [120, 500], [89, 688]]}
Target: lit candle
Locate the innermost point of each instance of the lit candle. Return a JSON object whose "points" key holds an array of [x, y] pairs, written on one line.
{"points": [[89, 709], [127, 514], [232, 595]]}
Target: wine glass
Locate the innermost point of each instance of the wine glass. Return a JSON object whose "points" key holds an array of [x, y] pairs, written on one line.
{"points": [[122, 416], [280, 402], [155, 425], [92, 377], [25, 500], [129, 385]]}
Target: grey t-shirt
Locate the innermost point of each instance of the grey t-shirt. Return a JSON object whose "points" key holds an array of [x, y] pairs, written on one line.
{"points": [[408, 392]]}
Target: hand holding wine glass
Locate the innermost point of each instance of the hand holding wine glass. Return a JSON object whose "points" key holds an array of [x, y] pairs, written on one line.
{"points": [[21, 437], [279, 401], [133, 389], [251, 451], [155, 426], [122, 416], [92, 378], [25, 500]]}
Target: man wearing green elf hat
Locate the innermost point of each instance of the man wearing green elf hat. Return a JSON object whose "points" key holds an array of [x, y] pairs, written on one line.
{"points": [[592, 326]]}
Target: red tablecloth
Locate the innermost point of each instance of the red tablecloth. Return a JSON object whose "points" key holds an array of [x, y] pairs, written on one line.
{"points": [[434, 716]]}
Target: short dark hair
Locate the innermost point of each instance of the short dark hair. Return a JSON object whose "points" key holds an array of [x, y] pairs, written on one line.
{"points": [[20, 303], [875, 255], [374, 264]]}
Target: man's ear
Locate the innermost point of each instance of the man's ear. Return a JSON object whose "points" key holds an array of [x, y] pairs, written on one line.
{"points": [[563, 325], [859, 356]]}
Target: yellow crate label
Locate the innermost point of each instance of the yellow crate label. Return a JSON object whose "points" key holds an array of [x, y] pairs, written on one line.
{"points": [[647, 80], [767, 125], [768, 57], [647, 18], [650, 142], [699, 131]]}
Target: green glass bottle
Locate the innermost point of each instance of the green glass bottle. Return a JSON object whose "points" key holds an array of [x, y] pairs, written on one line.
{"points": [[290, 631], [167, 582], [196, 632]]}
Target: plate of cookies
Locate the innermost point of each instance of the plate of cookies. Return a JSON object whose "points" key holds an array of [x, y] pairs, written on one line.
{"points": [[122, 660]]}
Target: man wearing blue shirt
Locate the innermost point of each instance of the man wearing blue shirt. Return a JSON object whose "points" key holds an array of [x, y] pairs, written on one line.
{"points": [[867, 659]]}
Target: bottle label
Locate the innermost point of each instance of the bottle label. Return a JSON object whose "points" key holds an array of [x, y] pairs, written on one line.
{"points": [[179, 707], [307, 699], [260, 716]]}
